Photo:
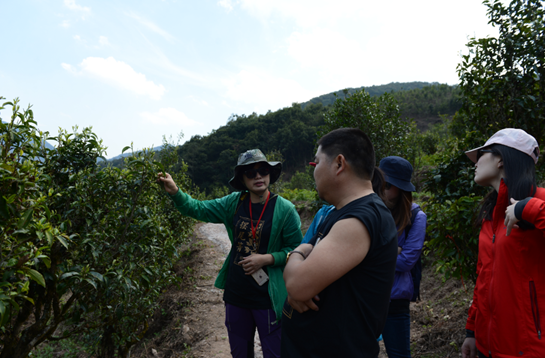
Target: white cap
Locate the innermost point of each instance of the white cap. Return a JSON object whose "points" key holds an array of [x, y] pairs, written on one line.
{"points": [[513, 138]]}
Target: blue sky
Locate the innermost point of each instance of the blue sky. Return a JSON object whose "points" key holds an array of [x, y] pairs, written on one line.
{"points": [[138, 70]]}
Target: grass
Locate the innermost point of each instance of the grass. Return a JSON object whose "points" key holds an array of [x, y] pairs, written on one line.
{"points": [[298, 195], [65, 348]]}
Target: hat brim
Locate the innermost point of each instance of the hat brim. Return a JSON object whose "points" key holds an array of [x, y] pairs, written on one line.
{"points": [[238, 184], [472, 154], [401, 184]]}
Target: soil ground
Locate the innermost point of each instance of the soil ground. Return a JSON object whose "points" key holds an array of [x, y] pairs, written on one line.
{"points": [[190, 322]]}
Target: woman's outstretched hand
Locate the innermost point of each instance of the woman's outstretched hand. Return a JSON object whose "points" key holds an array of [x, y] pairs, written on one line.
{"points": [[510, 218], [168, 183]]}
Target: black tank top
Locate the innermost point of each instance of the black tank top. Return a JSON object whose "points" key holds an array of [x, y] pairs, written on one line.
{"points": [[353, 309]]}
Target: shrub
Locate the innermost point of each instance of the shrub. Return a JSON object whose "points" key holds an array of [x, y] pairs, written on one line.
{"points": [[298, 195], [84, 249]]}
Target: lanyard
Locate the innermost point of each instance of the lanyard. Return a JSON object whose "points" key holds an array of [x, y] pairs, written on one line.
{"points": [[262, 211]]}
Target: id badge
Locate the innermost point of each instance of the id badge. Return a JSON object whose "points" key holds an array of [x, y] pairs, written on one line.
{"points": [[260, 277]]}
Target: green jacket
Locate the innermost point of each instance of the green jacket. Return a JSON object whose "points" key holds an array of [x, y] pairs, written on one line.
{"points": [[285, 235]]}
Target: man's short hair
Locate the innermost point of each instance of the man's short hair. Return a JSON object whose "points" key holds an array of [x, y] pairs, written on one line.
{"points": [[355, 146]]}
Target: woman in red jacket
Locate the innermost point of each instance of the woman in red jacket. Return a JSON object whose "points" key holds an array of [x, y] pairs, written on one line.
{"points": [[504, 319]]}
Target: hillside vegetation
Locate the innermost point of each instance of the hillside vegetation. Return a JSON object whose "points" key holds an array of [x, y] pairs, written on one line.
{"points": [[423, 101], [292, 131]]}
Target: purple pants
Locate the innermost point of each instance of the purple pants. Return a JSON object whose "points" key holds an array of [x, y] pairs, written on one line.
{"points": [[241, 324]]}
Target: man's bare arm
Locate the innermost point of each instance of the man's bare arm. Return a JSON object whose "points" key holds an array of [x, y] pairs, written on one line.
{"points": [[341, 250]]}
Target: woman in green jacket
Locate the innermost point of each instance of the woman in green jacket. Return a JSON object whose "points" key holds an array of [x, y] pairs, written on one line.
{"points": [[263, 227]]}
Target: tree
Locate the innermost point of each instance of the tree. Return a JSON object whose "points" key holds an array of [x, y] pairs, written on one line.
{"points": [[378, 117], [28, 235], [502, 80], [501, 85], [85, 250]]}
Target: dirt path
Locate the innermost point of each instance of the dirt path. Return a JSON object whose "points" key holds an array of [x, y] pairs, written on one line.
{"points": [[217, 235], [216, 343], [190, 320]]}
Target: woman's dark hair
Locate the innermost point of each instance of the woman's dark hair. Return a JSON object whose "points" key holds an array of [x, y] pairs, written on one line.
{"points": [[402, 206], [520, 178], [402, 209], [379, 183]]}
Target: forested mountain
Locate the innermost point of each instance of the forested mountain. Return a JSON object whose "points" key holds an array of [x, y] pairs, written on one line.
{"points": [[421, 101], [292, 131], [426, 105], [328, 99]]}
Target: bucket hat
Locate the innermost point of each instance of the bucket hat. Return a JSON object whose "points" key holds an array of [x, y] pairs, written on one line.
{"points": [[249, 157], [398, 172], [512, 138]]}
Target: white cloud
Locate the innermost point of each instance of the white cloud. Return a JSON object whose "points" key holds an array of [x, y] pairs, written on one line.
{"points": [[69, 68], [71, 4], [152, 26], [119, 74], [199, 101], [167, 116], [167, 64], [103, 40], [342, 60], [77, 37], [309, 13], [227, 4], [308, 49], [263, 90], [349, 43], [65, 24]]}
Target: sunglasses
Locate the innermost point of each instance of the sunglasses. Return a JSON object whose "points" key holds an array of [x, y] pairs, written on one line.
{"points": [[480, 152], [251, 173], [387, 186]]}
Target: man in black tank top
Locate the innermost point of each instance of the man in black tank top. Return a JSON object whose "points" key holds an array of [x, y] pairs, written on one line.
{"points": [[339, 284]]}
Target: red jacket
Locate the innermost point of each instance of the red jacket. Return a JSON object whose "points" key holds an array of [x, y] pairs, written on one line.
{"points": [[510, 290]]}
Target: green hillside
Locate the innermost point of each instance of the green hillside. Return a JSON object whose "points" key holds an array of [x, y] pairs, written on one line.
{"points": [[291, 132], [422, 101], [328, 99]]}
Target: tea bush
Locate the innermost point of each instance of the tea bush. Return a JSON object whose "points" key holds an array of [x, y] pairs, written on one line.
{"points": [[86, 251]]}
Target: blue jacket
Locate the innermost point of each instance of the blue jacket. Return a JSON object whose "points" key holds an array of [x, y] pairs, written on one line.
{"points": [[411, 248], [316, 222]]}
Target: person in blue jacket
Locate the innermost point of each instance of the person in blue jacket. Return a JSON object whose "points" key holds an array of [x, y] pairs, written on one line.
{"points": [[398, 197]]}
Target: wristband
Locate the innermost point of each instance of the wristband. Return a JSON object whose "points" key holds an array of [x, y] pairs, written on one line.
{"points": [[294, 252], [470, 333], [519, 207]]}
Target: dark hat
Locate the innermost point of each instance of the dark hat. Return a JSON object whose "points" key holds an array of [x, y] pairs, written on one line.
{"points": [[250, 157], [398, 172]]}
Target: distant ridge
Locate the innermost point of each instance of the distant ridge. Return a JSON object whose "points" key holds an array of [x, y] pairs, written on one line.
{"points": [[329, 99], [424, 102], [48, 146]]}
